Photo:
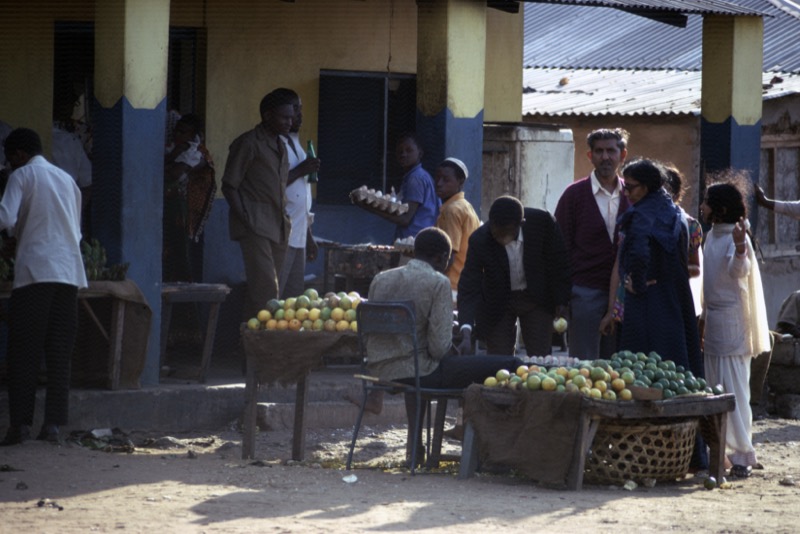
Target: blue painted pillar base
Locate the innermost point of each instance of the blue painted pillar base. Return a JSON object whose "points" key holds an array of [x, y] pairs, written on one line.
{"points": [[127, 202], [443, 135], [729, 145]]}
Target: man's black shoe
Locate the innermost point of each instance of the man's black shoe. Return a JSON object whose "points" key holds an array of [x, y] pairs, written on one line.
{"points": [[16, 435], [49, 433]]}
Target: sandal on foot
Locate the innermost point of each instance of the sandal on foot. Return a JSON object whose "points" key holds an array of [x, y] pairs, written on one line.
{"points": [[741, 471]]}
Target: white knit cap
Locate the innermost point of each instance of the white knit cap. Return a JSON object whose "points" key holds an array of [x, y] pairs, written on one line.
{"points": [[461, 165]]}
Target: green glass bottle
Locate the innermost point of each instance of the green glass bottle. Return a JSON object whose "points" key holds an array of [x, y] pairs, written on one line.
{"points": [[313, 177]]}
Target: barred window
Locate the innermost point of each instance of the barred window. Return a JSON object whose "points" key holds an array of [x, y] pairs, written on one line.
{"points": [[778, 234]]}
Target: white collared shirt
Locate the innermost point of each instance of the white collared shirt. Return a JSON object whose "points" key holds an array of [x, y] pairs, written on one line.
{"points": [[41, 206], [298, 194], [607, 203], [515, 269], [70, 156]]}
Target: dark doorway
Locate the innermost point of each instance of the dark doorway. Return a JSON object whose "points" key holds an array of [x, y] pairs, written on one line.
{"points": [[186, 74], [360, 116]]}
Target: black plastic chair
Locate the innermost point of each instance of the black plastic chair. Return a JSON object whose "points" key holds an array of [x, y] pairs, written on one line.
{"points": [[398, 318]]}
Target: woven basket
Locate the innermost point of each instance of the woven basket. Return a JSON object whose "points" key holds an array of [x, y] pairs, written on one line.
{"points": [[639, 449]]}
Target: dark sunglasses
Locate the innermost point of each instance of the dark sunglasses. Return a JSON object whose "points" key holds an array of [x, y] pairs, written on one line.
{"points": [[630, 187]]}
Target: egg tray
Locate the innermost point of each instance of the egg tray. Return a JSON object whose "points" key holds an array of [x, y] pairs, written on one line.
{"points": [[378, 200]]}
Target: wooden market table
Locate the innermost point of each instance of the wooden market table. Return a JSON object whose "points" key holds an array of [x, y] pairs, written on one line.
{"points": [[288, 357], [711, 411], [183, 292], [128, 331]]}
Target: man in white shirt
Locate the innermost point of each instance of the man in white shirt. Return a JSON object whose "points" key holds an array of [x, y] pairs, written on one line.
{"points": [[41, 207], [70, 156], [302, 246], [784, 207]]}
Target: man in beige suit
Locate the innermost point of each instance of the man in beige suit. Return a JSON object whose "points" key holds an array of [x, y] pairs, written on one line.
{"points": [[254, 184]]}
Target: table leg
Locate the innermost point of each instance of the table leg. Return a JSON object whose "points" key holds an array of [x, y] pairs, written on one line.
{"points": [[469, 452], [299, 434], [115, 340], [435, 454], [166, 317], [208, 346], [587, 428], [713, 429], [325, 273], [250, 414]]}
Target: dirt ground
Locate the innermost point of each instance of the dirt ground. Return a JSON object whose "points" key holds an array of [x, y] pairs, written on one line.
{"points": [[199, 483]]}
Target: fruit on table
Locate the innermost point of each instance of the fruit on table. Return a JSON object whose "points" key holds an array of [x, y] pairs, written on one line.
{"points": [[308, 312], [560, 325], [273, 305], [610, 379], [503, 374]]}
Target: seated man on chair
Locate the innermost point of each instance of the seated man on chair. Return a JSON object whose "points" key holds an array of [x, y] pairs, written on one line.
{"points": [[440, 367]]}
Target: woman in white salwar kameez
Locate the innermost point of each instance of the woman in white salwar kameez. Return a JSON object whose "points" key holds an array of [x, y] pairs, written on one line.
{"points": [[734, 313]]}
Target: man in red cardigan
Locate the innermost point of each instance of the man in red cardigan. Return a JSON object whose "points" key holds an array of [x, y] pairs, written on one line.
{"points": [[587, 214]]}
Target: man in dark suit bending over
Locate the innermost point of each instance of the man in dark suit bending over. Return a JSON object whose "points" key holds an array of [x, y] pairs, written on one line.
{"points": [[516, 268]]}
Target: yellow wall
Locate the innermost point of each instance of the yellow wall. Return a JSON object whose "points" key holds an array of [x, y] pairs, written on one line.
{"points": [[132, 38], [255, 46], [26, 60], [670, 139], [732, 63], [503, 86]]}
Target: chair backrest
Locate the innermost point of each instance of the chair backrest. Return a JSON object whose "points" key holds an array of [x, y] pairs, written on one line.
{"points": [[387, 318]]}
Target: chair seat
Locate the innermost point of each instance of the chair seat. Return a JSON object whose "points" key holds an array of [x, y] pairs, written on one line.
{"points": [[450, 393], [397, 318]]}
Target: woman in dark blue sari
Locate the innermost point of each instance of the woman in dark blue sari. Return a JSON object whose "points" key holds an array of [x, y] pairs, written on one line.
{"points": [[653, 262]]}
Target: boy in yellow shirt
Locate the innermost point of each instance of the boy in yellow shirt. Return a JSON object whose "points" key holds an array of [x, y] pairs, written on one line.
{"points": [[457, 217]]}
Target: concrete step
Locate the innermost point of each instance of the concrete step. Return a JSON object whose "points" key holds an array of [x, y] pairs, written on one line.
{"points": [[330, 414], [188, 406]]}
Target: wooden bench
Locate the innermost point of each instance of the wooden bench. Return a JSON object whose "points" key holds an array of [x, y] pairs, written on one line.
{"points": [[181, 292]]}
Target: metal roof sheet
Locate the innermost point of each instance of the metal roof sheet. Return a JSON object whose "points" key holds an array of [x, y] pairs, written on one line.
{"points": [[564, 92], [580, 36], [718, 7]]}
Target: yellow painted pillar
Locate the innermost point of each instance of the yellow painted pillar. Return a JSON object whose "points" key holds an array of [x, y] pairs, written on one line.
{"points": [[131, 51], [503, 86], [451, 55], [731, 99]]}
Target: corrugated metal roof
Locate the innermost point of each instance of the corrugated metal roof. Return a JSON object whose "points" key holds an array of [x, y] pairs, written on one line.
{"points": [[697, 7], [579, 36], [564, 92]]}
